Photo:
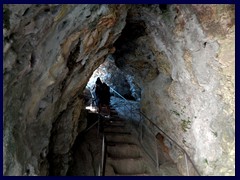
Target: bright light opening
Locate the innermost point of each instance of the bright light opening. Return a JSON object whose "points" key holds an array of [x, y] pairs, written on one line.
{"points": [[92, 108]]}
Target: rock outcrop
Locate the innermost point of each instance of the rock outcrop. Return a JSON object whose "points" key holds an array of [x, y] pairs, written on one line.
{"points": [[50, 52], [183, 58]]}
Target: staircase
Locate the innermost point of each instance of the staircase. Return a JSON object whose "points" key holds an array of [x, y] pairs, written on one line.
{"points": [[124, 155]]}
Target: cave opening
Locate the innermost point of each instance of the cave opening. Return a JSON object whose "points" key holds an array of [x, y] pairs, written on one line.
{"points": [[125, 102], [110, 74]]}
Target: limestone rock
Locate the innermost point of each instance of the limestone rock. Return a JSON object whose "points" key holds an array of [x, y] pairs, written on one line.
{"points": [[50, 53]]}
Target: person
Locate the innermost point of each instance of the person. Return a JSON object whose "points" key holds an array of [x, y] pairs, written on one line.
{"points": [[98, 93], [105, 97]]}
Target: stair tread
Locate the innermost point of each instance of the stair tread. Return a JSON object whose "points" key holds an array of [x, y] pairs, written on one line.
{"points": [[113, 143], [134, 174], [128, 134], [114, 124], [113, 121], [128, 165], [125, 158], [118, 128], [129, 145], [121, 160], [117, 132], [116, 116]]}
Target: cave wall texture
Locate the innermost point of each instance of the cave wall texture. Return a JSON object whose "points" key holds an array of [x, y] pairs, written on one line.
{"points": [[181, 56], [191, 97], [50, 52]]}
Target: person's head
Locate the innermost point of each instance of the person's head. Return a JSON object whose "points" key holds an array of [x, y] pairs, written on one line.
{"points": [[98, 81]]}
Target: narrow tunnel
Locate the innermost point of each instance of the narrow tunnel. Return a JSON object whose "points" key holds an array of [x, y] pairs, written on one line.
{"points": [[171, 73]]}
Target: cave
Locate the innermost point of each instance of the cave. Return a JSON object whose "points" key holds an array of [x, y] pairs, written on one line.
{"points": [[171, 73]]}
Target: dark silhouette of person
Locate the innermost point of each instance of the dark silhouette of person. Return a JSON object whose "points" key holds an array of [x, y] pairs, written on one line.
{"points": [[102, 96], [98, 93]]}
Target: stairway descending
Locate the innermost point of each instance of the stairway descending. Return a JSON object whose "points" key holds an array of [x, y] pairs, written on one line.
{"points": [[125, 156]]}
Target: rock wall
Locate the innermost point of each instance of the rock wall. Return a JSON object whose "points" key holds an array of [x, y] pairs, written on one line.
{"points": [[50, 52], [187, 79]]}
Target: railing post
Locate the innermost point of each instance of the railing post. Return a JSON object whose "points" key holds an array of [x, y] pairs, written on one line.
{"points": [[103, 149], [99, 170], [186, 163]]}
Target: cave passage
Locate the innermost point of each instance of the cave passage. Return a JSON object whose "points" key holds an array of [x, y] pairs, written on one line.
{"points": [[171, 73]]}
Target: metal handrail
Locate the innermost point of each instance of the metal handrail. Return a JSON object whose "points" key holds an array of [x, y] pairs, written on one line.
{"points": [[118, 93], [122, 98], [104, 153], [186, 154], [101, 170], [102, 164], [172, 141]]}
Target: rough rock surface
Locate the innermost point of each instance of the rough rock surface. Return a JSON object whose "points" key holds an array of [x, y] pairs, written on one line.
{"points": [[181, 56], [50, 52], [191, 95]]}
